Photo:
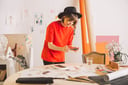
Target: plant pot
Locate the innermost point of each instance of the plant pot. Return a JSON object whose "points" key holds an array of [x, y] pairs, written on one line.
{"points": [[117, 58]]}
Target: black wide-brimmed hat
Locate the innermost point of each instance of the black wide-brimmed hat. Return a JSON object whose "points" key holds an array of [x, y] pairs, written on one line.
{"points": [[69, 10]]}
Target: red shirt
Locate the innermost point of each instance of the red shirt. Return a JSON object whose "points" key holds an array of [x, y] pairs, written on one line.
{"points": [[59, 36]]}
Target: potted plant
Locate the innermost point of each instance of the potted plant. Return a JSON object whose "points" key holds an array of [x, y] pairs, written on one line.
{"points": [[114, 51]]}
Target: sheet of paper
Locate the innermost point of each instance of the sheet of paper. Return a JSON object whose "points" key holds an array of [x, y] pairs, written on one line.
{"points": [[58, 72]]}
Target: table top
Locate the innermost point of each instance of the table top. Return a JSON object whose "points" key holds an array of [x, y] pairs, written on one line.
{"points": [[72, 70]]}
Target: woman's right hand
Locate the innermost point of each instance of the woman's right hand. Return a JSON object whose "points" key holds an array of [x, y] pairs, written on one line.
{"points": [[66, 48]]}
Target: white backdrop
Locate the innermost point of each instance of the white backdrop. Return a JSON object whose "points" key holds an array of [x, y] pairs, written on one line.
{"points": [[106, 17]]}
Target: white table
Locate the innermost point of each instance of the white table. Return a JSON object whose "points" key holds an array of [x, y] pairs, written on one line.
{"points": [[12, 79]]}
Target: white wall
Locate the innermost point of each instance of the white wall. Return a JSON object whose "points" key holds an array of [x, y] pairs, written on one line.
{"points": [[107, 17], [49, 9], [11, 8]]}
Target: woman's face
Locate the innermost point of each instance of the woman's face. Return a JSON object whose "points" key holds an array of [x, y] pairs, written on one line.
{"points": [[67, 22]]}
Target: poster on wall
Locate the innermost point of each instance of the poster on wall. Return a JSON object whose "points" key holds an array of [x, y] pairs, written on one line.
{"points": [[10, 20], [102, 41]]}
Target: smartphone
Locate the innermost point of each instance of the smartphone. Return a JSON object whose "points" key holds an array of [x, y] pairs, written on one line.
{"points": [[74, 48]]}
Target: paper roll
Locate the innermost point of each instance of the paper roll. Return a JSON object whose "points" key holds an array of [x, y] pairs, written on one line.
{"points": [[115, 75]]}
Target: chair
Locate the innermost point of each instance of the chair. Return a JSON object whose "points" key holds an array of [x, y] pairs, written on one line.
{"points": [[98, 58]]}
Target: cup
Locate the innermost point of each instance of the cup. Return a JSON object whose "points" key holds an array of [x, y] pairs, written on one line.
{"points": [[89, 60]]}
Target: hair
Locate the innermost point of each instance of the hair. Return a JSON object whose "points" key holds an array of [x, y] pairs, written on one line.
{"points": [[72, 17]]}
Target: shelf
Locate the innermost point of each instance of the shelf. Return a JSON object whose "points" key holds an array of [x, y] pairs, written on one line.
{"points": [[1, 82]]}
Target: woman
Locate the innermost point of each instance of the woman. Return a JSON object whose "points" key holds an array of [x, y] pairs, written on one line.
{"points": [[59, 36]]}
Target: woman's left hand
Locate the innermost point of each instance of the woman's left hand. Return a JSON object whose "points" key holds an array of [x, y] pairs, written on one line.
{"points": [[73, 48]]}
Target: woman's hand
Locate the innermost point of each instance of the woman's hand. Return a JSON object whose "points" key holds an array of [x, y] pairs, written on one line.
{"points": [[57, 48], [73, 48], [66, 48]]}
